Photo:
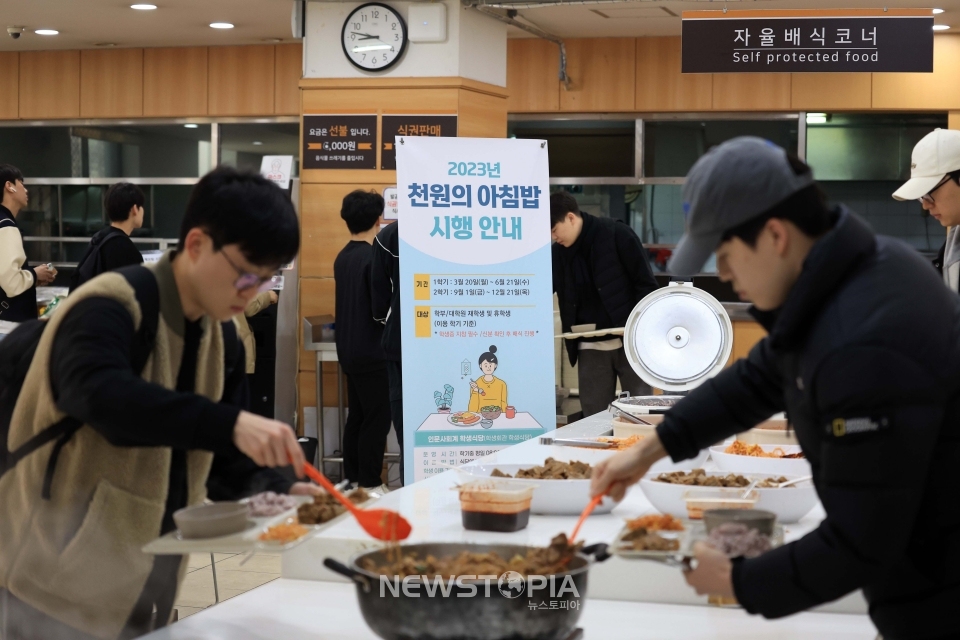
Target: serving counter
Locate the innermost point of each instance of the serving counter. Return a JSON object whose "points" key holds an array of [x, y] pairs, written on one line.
{"points": [[311, 610], [626, 599], [432, 506]]}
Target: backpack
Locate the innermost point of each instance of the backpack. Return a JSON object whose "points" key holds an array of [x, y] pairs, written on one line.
{"points": [[16, 354], [90, 264]]}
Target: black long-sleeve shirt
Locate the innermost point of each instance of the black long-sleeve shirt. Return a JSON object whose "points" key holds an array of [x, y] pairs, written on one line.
{"points": [[358, 334]]}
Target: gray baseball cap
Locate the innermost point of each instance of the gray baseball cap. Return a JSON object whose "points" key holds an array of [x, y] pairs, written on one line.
{"points": [[730, 184]]}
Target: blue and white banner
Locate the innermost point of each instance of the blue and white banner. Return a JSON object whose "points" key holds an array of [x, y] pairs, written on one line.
{"points": [[476, 296]]}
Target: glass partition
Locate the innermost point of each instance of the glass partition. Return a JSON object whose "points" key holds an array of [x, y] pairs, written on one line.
{"points": [[244, 145], [583, 148]]}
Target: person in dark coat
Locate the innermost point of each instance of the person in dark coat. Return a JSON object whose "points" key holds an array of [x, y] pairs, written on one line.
{"points": [[111, 248], [863, 354], [600, 273]]}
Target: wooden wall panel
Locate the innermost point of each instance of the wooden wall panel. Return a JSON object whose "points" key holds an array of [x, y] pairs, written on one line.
{"points": [[533, 66], [481, 115], [10, 81], [111, 83], [953, 120], [324, 233], [602, 73], [49, 84], [831, 91], [751, 91], [175, 82], [661, 87], [289, 70], [937, 90], [241, 80], [745, 335]]}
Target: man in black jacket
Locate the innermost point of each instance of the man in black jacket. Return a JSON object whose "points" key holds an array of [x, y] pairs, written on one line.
{"points": [[358, 344], [600, 273], [863, 354], [111, 248], [18, 282], [385, 302]]}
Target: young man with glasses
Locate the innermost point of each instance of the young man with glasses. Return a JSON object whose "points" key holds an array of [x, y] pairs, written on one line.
{"points": [[935, 182], [78, 511]]}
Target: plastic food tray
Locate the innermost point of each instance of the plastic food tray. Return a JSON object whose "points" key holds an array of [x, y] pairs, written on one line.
{"points": [[247, 540], [692, 533]]}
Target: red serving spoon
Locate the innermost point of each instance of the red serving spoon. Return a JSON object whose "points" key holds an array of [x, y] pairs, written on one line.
{"points": [[381, 524]]}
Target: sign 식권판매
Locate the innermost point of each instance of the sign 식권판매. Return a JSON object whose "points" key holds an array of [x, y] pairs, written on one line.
{"points": [[893, 40]]}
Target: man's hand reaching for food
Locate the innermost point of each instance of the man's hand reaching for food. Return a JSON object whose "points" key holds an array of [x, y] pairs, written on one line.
{"points": [[615, 474]]}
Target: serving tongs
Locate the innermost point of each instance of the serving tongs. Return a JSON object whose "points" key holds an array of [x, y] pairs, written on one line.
{"points": [[577, 442], [629, 417]]}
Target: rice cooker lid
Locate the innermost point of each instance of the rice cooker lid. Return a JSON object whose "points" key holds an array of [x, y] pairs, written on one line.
{"points": [[677, 337]]}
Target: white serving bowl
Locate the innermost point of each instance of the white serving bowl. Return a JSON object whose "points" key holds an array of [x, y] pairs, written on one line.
{"points": [[550, 497], [765, 466], [790, 503]]}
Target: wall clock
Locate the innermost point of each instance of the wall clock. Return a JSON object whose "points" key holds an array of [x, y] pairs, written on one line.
{"points": [[374, 37]]}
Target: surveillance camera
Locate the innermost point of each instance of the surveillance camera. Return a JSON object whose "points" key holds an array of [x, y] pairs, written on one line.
{"points": [[14, 32]]}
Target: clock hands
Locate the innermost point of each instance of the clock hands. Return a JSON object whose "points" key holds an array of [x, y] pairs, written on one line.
{"points": [[365, 36]]}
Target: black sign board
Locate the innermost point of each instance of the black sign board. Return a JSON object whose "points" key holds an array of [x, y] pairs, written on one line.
{"points": [[397, 125], [897, 40], [340, 142]]}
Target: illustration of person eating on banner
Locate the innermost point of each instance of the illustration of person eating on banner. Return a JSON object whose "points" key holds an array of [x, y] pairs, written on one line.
{"points": [[488, 391]]}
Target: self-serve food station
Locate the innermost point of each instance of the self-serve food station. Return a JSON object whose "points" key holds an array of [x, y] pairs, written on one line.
{"points": [[676, 338]]}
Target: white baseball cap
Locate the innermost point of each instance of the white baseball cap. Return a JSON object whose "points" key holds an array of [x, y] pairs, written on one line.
{"points": [[936, 155]]}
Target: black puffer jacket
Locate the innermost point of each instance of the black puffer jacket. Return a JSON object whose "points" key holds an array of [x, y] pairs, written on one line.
{"points": [[618, 267], [864, 356]]}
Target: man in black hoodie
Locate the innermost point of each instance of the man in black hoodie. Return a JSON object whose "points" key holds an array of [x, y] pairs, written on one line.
{"points": [[600, 273], [863, 354], [111, 248]]}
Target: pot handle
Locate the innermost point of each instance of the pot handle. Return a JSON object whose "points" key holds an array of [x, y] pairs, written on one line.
{"points": [[598, 551], [344, 570]]}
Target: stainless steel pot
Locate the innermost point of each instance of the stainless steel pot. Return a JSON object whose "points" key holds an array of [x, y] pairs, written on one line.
{"points": [[469, 609]]}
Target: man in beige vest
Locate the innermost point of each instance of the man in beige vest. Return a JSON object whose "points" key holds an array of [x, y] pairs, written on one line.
{"points": [[76, 512]]}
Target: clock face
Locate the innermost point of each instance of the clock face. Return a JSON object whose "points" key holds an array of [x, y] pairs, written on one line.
{"points": [[374, 37]]}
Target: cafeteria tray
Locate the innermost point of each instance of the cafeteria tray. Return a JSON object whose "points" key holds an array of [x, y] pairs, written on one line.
{"points": [[693, 532], [247, 540]]}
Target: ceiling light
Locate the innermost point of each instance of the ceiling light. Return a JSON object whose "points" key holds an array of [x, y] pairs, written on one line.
{"points": [[105, 44], [937, 12], [257, 143], [221, 25], [273, 40], [373, 47], [816, 118], [941, 27], [190, 126], [46, 32], [143, 7]]}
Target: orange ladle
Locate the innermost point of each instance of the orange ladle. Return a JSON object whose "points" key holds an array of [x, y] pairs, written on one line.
{"points": [[381, 524], [583, 516]]}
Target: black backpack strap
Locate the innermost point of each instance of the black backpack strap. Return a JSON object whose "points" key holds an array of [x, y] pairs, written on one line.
{"points": [[144, 284]]}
